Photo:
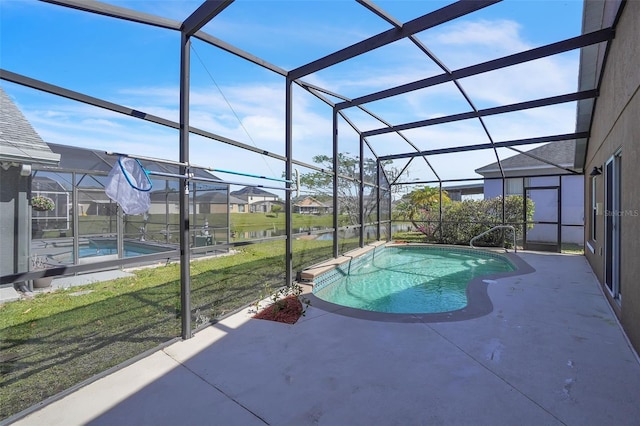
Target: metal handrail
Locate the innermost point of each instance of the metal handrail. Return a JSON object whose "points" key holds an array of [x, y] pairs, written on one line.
{"points": [[515, 249]]}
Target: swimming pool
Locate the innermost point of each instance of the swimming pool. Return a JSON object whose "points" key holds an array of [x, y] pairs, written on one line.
{"points": [[109, 247], [409, 279]]}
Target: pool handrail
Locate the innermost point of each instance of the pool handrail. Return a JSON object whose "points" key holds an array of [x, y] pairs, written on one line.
{"points": [[513, 229]]}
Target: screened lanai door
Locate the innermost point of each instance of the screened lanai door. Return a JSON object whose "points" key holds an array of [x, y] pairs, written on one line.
{"points": [[543, 233]]}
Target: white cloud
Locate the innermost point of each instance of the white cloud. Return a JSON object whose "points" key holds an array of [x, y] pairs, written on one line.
{"points": [[500, 34], [100, 123]]}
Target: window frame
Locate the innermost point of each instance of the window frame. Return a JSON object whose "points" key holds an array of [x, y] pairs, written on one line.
{"points": [[594, 208]]}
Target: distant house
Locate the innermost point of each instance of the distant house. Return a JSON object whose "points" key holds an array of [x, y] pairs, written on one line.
{"points": [[167, 201], [265, 206], [216, 202], [237, 205], [465, 191], [20, 149], [93, 201], [310, 205], [557, 193], [257, 199]]}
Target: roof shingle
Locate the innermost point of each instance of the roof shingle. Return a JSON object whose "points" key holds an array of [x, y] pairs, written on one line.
{"points": [[19, 142], [560, 153]]}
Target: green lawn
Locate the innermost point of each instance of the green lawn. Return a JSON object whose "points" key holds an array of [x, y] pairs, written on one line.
{"points": [[59, 339], [156, 225], [268, 220]]}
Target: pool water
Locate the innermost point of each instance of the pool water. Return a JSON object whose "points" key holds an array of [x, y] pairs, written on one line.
{"points": [[108, 247], [89, 252], [412, 279]]}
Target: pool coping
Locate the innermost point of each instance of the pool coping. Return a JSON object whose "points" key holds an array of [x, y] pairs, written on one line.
{"points": [[478, 301]]}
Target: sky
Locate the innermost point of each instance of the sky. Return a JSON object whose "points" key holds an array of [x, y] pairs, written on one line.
{"points": [[137, 66]]}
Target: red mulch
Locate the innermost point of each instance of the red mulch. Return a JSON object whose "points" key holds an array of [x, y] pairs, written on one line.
{"points": [[291, 310]]}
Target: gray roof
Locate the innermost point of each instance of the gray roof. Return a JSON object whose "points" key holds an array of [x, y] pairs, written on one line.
{"points": [[251, 190], [560, 153], [311, 202], [19, 142], [218, 197], [76, 158]]}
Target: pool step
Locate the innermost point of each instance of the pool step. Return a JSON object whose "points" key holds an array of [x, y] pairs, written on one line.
{"points": [[309, 275]]}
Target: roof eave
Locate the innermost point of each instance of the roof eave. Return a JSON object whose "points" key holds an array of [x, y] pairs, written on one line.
{"points": [[9, 154], [596, 16]]}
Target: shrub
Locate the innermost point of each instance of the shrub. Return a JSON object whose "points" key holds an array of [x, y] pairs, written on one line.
{"points": [[463, 220]]}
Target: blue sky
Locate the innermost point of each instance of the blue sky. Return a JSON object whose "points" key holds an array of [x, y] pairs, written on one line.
{"points": [[137, 66]]}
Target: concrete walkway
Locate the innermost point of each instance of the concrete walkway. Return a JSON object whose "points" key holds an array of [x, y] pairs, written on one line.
{"points": [[550, 353]]}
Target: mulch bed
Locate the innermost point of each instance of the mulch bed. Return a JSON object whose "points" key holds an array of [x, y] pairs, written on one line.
{"points": [[286, 310]]}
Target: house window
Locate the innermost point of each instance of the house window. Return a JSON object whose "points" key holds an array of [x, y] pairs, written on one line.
{"points": [[513, 186], [594, 208], [241, 208]]}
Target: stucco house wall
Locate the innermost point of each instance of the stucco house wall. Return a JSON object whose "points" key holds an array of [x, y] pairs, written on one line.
{"points": [[616, 126], [14, 221], [251, 195]]}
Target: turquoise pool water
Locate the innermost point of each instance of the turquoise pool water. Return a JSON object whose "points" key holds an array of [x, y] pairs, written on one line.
{"points": [[109, 247], [411, 279]]}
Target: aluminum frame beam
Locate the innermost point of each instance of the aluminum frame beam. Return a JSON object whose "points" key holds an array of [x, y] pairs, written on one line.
{"points": [[506, 61], [476, 179], [381, 13], [314, 89], [86, 99], [112, 11], [216, 42], [185, 240], [288, 202], [100, 103], [478, 147], [430, 20], [202, 15], [157, 21], [543, 160], [553, 100]]}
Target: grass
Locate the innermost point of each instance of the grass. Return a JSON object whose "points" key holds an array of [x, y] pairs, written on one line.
{"points": [[410, 237], [156, 224], [58, 339], [269, 220]]}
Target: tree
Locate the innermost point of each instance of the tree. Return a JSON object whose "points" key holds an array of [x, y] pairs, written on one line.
{"points": [[421, 207], [276, 209], [321, 183], [463, 220]]}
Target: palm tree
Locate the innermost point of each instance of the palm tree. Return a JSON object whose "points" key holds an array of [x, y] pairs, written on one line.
{"points": [[417, 205]]}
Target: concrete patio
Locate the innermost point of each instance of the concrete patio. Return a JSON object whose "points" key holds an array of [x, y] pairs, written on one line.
{"points": [[550, 353]]}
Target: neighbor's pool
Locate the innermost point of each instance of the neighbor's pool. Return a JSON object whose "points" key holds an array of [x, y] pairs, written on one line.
{"points": [[409, 279], [109, 247]]}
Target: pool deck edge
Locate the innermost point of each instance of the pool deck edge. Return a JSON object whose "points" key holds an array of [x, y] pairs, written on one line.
{"points": [[309, 274], [478, 301]]}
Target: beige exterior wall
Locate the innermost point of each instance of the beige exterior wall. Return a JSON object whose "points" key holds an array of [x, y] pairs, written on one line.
{"points": [[616, 126], [217, 208], [235, 208], [161, 208]]}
